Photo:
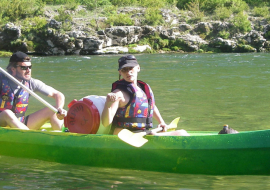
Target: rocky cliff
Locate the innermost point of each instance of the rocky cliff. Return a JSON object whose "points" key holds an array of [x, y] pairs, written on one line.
{"points": [[195, 37]]}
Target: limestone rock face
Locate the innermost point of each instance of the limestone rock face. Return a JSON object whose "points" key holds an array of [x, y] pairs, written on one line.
{"points": [[82, 38]]}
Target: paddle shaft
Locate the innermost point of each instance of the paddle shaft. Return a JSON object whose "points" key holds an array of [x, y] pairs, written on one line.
{"points": [[29, 91], [158, 129]]}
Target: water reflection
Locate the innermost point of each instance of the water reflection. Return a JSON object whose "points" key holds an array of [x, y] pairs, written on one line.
{"points": [[35, 174]]}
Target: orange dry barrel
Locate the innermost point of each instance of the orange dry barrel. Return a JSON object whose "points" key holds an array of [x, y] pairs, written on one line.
{"points": [[84, 115]]}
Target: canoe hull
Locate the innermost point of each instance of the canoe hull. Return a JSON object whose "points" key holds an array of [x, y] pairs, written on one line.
{"points": [[246, 153]]}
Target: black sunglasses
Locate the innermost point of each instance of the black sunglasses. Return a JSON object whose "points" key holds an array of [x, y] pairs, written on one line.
{"points": [[25, 67]]}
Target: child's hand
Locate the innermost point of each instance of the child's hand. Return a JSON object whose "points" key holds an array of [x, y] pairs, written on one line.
{"points": [[164, 126], [112, 97]]}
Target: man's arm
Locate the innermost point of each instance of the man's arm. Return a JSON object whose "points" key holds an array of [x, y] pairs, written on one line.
{"points": [[39, 86], [59, 102]]}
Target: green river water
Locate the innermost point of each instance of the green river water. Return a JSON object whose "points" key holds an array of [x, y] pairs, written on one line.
{"points": [[205, 90]]}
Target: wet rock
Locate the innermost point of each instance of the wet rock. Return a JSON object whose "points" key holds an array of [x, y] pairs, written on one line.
{"points": [[223, 45], [192, 42], [12, 31], [55, 24], [255, 39]]}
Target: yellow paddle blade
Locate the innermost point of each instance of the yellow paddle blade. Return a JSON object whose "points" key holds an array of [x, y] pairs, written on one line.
{"points": [[173, 124], [134, 139]]}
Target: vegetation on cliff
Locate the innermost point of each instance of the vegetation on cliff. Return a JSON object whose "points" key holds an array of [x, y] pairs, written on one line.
{"points": [[33, 16]]}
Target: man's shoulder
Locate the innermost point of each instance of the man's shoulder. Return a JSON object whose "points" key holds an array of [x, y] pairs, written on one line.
{"points": [[34, 81]]}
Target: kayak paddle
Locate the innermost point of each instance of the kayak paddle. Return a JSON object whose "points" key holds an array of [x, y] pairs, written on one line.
{"points": [[136, 139]]}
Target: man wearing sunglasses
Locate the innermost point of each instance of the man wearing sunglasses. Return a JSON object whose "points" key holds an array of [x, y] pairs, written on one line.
{"points": [[131, 103], [14, 99]]}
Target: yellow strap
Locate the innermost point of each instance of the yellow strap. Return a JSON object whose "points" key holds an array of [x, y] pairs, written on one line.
{"points": [[3, 104]]}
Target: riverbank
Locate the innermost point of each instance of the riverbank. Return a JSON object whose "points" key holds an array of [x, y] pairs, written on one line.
{"points": [[5, 54], [78, 31]]}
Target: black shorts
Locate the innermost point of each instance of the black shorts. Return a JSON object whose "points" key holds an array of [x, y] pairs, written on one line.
{"points": [[25, 120]]}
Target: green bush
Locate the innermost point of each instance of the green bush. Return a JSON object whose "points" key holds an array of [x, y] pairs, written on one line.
{"points": [[224, 34], [267, 35], [71, 5], [211, 5], [195, 7], [163, 43], [149, 51], [59, 2], [50, 2], [180, 44], [132, 45], [152, 3], [241, 23], [144, 41], [238, 6], [120, 20], [32, 28], [244, 48], [54, 2], [5, 54], [171, 3], [261, 11], [93, 4], [223, 13], [62, 16], [209, 49], [67, 26], [124, 2], [16, 44], [155, 42], [109, 10], [30, 45], [166, 49], [200, 51], [19, 9], [242, 42], [181, 4], [132, 51], [3, 20], [34, 24], [156, 46], [153, 17], [257, 2], [41, 47], [174, 48]]}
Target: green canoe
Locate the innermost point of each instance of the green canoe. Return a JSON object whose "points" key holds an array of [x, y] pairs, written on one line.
{"points": [[245, 153]]}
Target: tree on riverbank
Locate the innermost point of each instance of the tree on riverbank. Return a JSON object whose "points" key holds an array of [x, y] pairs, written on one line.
{"points": [[98, 15]]}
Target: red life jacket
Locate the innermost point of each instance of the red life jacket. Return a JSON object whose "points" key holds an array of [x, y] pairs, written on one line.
{"points": [[138, 112], [18, 103]]}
